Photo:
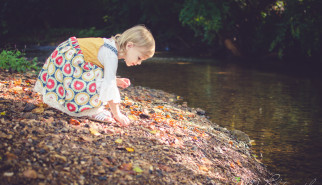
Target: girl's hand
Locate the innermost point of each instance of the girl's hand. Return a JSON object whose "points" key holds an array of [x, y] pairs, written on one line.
{"points": [[118, 116], [123, 82], [121, 118]]}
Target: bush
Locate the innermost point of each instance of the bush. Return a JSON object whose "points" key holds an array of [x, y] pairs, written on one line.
{"points": [[91, 32], [14, 61]]}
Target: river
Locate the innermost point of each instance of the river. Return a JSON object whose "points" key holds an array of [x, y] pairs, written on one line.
{"points": [[282, 114]]}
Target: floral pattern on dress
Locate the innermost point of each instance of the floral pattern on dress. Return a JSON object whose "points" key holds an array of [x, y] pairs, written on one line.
{"points": [[69, 79]]}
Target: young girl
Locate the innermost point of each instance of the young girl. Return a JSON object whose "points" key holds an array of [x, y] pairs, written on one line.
{"points": [[79, 77]]}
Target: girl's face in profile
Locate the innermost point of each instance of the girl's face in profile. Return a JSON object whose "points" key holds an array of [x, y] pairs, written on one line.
{"points": [[133, 55]]}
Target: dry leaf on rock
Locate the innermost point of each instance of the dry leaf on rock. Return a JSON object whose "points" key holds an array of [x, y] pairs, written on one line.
{"points": [[38, 110], [84, 138], [11, 156], [17, 89], [126, 166], [137, 169], [165, 168], [59, 157], [49, 120], [132, 117], [119, 141], [32, 174], [74, 122], [8, 174], [239, 164], [130, 149], [232, 165], [94, 132], [203, 168]]}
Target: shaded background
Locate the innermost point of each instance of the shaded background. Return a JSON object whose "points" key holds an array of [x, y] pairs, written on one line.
{"points": [[273, 33], [282, 113]]}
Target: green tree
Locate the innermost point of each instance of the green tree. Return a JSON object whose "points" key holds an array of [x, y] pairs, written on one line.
{"points": [[161, 17], [258, 27], [288, 28], [298, 28]]}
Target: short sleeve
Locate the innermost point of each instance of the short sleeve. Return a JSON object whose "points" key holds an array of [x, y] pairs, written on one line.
{"points": [[107, 87]]}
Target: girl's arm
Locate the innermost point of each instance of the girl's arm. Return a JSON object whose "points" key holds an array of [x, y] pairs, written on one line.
{"points": [[118, 116], [108, 88]]}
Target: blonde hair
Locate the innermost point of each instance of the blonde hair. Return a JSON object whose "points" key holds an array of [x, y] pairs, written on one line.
{"points": [[140, 36]]}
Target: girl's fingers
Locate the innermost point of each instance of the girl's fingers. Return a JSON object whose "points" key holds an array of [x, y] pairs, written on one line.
{"points": [[127, 81], [123, 120]]}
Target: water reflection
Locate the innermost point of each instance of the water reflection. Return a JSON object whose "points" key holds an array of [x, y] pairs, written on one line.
{"points": [[282, 114]]}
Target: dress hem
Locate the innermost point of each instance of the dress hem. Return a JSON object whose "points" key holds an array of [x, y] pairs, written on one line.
{"points": [[52, 103]]}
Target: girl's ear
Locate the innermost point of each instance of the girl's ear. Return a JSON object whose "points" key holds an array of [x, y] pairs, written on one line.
{"points": [[129, 45]]}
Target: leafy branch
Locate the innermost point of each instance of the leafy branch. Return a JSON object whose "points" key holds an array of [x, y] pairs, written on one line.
{"points": [[14, 61]]}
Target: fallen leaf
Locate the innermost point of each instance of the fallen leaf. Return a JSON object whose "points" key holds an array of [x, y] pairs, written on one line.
{"points": [[3, 113], [237, 179], [239, 164], [181, 117], [137, 169], [32, 174], [130, 149], [38, 110], [165, 168], [19, 89], [153, 131], [206, 160], [74, 122], [232, 165], [50, 120], [62, 158], [119, 141], [126, 166], [8, 174], [132, 117], [252, 142], [152, 127], [11, 156], [18, 82], [42, 105], [86, 139], [27, 81], [203, 168], [94, 132]]}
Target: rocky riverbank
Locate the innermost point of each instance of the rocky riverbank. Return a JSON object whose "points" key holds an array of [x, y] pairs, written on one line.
{"points": [[167, 143]]}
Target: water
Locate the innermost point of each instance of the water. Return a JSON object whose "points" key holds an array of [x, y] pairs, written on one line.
{"points": [[282, 114]]}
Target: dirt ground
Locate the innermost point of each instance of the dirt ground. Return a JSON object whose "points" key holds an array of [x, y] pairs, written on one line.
{"points": [[166, 143]]}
